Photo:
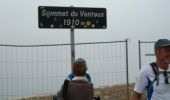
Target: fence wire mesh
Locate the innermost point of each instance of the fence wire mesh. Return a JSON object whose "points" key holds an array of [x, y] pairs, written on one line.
{"points": [[28, 70]]}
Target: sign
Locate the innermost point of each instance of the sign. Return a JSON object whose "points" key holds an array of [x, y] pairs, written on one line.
{"points": [[71, 17]]}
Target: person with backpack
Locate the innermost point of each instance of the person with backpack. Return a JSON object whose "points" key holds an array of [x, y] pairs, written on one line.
{"points": [[72, 75], [78, 87], [155, 77]]}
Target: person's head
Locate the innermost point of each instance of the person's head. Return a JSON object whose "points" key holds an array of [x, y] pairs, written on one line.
{"points": [[162, 50], [79, 67]]}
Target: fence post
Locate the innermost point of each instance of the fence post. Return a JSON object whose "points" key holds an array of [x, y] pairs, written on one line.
{"points": [[127, 71], [139, 53]]}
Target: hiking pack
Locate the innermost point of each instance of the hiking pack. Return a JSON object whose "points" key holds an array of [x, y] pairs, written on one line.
{"points": [[156, 72], [63, 93], [65, 87]]}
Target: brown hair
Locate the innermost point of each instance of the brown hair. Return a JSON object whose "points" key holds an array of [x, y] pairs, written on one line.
{"points": [[79, 67]]}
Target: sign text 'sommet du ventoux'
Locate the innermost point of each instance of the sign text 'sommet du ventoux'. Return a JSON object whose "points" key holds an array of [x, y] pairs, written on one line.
{"points": [[72, 17]]}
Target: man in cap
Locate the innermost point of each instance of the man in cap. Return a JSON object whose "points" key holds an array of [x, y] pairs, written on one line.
{"points": [[155, 77]]}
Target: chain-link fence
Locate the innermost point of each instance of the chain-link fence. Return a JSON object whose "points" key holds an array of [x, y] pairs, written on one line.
{"points": [[28, 70], [146, 52]]}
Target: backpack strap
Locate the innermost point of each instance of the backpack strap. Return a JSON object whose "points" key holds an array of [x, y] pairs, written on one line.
{"points": [[156, 72], [65, 87]]}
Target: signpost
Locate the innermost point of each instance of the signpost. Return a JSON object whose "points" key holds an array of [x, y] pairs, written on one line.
{"points": [[72, 18]]}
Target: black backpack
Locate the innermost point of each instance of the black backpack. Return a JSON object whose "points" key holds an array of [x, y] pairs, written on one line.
{"points": [[156, 72], [65, 87]]}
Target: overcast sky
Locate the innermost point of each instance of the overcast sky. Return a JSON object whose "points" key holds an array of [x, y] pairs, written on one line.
{"points": [[145, 20], [134, 19]]}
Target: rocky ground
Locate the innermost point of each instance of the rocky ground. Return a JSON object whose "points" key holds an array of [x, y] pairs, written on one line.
{"points": [[115, 92]]}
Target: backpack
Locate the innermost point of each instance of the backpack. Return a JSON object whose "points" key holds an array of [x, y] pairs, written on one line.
{"points": [[62, 93], [65, 87], [156, 72]]}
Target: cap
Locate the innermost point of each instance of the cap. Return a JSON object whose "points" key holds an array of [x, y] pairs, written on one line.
{"points": [[162, 43]]}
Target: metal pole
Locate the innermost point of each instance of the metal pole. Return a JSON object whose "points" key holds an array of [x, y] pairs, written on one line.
{"points": [[127, 71], [139, 54], [72, 43], [72, 46]]}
